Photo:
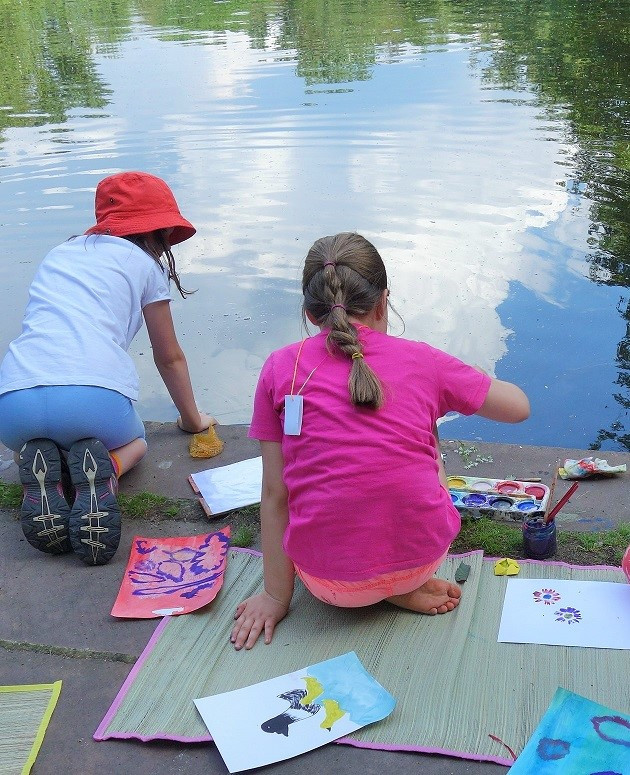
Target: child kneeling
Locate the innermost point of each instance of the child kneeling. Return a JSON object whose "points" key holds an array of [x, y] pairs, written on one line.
{"points": [[354, 496]]}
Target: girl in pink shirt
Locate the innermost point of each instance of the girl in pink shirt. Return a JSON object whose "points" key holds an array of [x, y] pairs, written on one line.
{"points": [[354, 496]]}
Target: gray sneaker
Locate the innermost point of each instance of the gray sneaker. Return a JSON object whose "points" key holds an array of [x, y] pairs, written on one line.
{"points": [[95, 515], [45, 512]]}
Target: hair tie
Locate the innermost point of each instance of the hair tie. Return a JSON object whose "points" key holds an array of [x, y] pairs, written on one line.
{"points": [[356, 355], [338, 306], [328, 263]]}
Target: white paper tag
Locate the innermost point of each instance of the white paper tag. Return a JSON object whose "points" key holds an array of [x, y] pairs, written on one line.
{"points": [[293, 408]]}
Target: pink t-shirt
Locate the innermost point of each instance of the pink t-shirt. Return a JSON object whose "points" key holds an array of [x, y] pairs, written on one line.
{"points": [[364, 492]]}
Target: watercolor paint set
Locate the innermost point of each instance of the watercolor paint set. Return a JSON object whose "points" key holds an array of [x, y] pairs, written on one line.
{"points": [[503, 499]]}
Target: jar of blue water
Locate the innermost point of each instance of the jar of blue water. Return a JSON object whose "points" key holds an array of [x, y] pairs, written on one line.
{"points": [[539, 539]]}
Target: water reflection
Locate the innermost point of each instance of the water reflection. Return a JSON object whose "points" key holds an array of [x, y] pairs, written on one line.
{"points": [[482, 146]]}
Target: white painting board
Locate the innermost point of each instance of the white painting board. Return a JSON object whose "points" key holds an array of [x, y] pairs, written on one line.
{"points": [[230, 487], [268, 722], [592, 614]]}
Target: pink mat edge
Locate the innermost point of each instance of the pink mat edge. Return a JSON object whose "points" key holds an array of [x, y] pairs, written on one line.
{"points": [[101, 735], [424, 749]]}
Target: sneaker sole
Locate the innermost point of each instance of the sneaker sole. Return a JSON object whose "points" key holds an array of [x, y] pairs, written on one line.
{"points": [[95, 515], [45, 512]]}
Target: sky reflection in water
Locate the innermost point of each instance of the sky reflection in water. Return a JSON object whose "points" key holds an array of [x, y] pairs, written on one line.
{"points": [[460, 185]]}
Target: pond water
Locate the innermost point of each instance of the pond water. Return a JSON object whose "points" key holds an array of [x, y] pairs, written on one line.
{"points": [[484, 147]]}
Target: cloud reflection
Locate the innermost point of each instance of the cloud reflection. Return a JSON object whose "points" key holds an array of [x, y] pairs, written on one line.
{"points": [[447, 179]]}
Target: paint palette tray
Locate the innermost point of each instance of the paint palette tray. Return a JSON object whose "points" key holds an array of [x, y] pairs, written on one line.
{"points": [[503, 499]]}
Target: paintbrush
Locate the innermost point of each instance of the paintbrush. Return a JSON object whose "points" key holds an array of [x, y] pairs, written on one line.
{"points": [[551, 516]]}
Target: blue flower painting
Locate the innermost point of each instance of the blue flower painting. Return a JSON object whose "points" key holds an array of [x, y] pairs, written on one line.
{"points": [[577, 735], [546, 596], [568, 615]]}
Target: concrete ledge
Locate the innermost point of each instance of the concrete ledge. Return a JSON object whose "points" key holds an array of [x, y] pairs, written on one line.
{"points": [[55, 605], [599, 504]]}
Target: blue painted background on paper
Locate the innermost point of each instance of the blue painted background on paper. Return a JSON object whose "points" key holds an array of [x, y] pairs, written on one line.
{"points": [[347, 682], [577, 735]]}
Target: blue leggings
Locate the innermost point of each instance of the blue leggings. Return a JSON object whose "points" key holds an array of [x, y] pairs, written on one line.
{"points": [[67, 413]]}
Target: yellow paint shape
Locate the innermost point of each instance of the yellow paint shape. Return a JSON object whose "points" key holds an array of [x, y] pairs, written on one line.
{"points": [[333, 713], [313, 690]]}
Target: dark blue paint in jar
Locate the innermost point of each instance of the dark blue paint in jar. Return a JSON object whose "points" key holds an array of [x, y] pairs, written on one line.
{"points": [[539, 539]]}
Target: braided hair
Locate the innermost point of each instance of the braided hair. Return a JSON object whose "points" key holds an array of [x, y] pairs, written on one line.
{"points": [[344, 276]]}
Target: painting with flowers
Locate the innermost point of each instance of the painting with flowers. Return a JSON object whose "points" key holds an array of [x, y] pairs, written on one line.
{"points": [[561, 612]]}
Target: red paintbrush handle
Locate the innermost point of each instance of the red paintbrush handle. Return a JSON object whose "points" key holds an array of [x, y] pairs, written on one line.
{"points": [[561, 502]]}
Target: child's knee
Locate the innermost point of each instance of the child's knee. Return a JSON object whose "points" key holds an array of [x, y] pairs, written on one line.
{"points": [[142, 446]]}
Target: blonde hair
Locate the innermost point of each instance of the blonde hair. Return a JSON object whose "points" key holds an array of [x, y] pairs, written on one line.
{"points": [[344, 275]]}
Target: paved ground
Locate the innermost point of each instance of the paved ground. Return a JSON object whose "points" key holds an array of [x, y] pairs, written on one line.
{"points": [[54, 606]]}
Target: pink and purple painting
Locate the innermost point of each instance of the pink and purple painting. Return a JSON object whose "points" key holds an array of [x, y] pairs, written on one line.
{"points": [[567, 612], [172, 576]]}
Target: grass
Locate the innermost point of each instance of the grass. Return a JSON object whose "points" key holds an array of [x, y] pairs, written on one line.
{"points": [[10, 495], [593, 541], [605, 548], [499, 539], [245, 525], [244, 536], [249, 512], [145, 505], [496, 539]]}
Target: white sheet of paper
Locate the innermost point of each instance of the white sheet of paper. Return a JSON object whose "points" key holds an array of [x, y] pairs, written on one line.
{"points": [[594, 614], [231, 487], [267, 723]]}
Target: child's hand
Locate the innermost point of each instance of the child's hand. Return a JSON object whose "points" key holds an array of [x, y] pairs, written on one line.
{"points": [[205, 421], [257, 613]]}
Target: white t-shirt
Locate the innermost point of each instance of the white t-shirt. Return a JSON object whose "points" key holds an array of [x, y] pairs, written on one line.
{"points": [[85, 307]]}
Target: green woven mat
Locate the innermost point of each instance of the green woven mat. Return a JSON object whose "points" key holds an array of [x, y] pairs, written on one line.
{"points": [[25, 711], [454, 684]]}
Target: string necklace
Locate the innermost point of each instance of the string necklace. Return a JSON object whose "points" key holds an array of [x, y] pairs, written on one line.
{"points": [[295, 370], [294, 402]]}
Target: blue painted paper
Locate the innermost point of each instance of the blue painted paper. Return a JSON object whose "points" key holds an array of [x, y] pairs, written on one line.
{"points": [[345, 680], [294, 713], [577, 735]]}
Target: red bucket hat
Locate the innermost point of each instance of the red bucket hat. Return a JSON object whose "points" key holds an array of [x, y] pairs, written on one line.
{"points": [[136, 203]]}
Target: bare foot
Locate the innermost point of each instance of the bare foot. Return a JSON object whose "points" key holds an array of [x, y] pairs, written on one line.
{"points": [[435, 596]]}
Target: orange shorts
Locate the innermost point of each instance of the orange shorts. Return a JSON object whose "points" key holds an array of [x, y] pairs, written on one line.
{"points": [[354, 594]]}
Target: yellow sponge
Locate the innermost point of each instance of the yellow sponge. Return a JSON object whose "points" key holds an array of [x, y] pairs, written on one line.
{"points": [[206, 444], [506, 567]]}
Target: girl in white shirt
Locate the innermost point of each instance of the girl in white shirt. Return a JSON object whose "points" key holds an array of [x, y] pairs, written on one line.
{"points": [[67, 383]]}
